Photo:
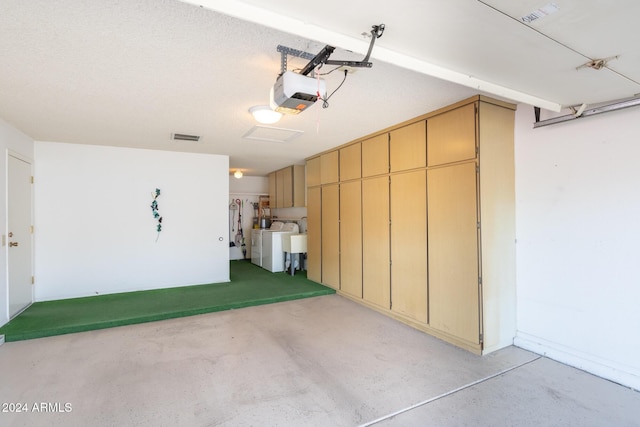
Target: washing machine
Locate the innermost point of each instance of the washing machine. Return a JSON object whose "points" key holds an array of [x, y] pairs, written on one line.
{"points": [[256, 246], [272, 253]]}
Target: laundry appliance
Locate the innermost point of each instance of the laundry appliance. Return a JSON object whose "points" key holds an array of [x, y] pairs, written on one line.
{"points": [[272, 252], [256, 246]]}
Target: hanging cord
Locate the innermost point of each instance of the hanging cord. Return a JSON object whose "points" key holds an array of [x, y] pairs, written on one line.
{"points": [[317, 75], [330, 71], [325, 101]]}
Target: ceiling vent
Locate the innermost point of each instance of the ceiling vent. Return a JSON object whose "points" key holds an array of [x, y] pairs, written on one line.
{"points": [[185, 137]]}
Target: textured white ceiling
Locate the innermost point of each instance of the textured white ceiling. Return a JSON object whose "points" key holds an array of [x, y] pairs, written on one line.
{"points": [[131, 73]]}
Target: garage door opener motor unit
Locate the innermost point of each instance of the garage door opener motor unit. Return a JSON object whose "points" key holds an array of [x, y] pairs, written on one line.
{"points": [[293, 92]]}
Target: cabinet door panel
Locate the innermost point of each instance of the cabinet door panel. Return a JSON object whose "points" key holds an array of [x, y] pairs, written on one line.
{"points": [[314, 234], [298, 186], [409, 244], [280, 189], [375, 155], [287, 187], [350, 162], [351, 238], [331, 236], [376, 269], [451, 136], [273, 190], [329, 167], [408, 147], [313, 172], [453, 251]]}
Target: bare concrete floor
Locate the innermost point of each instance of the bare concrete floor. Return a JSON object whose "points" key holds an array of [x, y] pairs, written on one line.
{"points": [[323, 361]]}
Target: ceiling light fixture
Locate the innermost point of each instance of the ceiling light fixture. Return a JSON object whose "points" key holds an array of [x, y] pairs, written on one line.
{"points": [[238, 174], [264, 114]]}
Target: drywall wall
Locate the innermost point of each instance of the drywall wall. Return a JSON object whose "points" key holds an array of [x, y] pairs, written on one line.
{"points": [[577, 215], [249, 185], [11, 141], [95, 230]]}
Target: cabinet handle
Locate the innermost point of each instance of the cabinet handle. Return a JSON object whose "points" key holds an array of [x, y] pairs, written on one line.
{"points": [[13, 244]]}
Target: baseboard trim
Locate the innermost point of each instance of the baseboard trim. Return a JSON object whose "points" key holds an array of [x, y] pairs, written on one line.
{"points": [[472, 347], [627, 376]]}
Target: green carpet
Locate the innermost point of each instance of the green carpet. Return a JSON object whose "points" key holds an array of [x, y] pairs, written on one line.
{"points": [[250, 285]]}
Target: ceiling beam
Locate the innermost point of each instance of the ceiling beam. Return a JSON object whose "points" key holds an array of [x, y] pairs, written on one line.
{"points": [[260, 16]]}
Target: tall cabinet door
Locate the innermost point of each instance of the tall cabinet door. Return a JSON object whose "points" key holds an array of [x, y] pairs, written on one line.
{"points": [[331, 236], [376, 268], [314, 234], [454, 295], [409, 244], [351, 238]]}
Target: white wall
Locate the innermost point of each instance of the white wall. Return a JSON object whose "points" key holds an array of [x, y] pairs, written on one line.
{"points": [[95, 232], [578, 234], [249, 185], [11, 140]]}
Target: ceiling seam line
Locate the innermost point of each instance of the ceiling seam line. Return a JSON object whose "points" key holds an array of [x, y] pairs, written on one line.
{"points": [[622, 75], [553, 40], [533, 29]]}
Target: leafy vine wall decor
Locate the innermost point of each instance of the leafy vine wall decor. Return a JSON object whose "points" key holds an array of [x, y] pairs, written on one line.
{"points": [[154, 210]]}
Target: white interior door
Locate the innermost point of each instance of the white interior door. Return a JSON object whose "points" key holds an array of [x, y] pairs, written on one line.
{"points": [[19, 235]]}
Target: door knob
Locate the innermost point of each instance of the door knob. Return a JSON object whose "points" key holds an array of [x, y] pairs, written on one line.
{"points": [[12, 244]]}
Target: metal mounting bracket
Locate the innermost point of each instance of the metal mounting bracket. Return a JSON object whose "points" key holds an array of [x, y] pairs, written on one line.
{"points": [[323, 56], [582, 111], [285, 51]]}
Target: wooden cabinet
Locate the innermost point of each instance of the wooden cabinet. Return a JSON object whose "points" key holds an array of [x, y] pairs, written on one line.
{"points": [[375, 155], [329, 169], [314, 234], [313, 172], [298, 186], [497, 224], [376, 256], [453, 251], [280, 192], [408, 147], [351, 238], [452, 136], [331, 236], [350, 162], [408, 205], [287, 187], [272, 189], [424, 230]]}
